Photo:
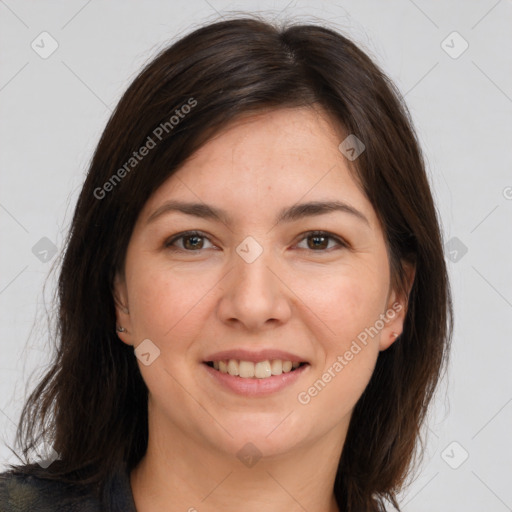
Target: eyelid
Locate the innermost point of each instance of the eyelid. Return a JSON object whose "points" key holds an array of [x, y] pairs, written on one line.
{"points": [[306, 234]]}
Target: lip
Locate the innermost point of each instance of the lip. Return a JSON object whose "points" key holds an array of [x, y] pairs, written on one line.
{"points": [[255, 356], [254, 387]]}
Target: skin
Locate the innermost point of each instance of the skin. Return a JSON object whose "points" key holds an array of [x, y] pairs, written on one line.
{"points": [[312, 302]]}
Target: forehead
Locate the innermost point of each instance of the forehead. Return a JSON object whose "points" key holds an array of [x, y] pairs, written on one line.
{"points": [[267, 160], [274, 138]]}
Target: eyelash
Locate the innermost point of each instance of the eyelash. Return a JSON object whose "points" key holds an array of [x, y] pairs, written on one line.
{"points": [[341, 243]]}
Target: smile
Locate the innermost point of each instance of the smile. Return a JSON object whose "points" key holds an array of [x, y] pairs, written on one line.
{"points": [[250, 370], [254, 379]]}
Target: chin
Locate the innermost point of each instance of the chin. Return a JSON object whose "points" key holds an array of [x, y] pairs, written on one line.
{"points": [[271, 433]]}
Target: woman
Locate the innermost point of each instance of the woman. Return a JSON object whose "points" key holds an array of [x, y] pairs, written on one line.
{"points": [[254, 304]]}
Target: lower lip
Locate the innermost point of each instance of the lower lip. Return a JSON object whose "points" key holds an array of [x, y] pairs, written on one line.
{"points": [[256, 387]]}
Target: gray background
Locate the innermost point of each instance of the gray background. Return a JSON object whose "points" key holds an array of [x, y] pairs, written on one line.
{"points": [[54, 110]]}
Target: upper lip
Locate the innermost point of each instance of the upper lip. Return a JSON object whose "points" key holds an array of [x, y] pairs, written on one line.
{"points": [[255, 356]]}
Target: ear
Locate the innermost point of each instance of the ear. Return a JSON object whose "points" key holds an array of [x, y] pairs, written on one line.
{"points": [[396, 310], [123, 320]]}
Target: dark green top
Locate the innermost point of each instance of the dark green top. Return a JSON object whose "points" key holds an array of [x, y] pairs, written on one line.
{"points": [[27, 493]]}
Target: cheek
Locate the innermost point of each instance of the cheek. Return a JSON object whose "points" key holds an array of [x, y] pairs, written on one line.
{"points": [[346, 302], [349, 350], [165, 301], [351, 353]]}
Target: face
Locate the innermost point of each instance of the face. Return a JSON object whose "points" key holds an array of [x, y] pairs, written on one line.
{"points": [[253, 291]]}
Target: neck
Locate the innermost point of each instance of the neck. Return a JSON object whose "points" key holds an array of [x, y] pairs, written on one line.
{"points": [[188, 476]]}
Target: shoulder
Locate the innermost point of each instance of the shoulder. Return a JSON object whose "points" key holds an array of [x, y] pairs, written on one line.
{"points": [[21, 492]]}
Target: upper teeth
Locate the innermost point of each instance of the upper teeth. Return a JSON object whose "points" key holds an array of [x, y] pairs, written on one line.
{"points": [[260, 370]]}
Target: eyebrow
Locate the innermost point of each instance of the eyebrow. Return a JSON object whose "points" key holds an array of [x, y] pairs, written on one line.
{"points": [[289, 214]]}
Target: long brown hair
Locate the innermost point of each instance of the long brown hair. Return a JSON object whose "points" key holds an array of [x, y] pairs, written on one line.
{"points": [[92, 402]]}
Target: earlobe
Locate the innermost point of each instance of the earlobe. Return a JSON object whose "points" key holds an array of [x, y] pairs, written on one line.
{"points": [[391, 333]]}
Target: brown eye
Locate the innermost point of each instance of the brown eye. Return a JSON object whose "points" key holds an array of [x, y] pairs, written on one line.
{"points": [[319, 241], [191, 241]]}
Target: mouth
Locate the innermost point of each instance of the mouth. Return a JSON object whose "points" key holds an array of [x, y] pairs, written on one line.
{"points": [[264, 369]]}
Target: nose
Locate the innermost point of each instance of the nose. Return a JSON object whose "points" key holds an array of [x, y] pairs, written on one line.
{"points": [[255, 296]]}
